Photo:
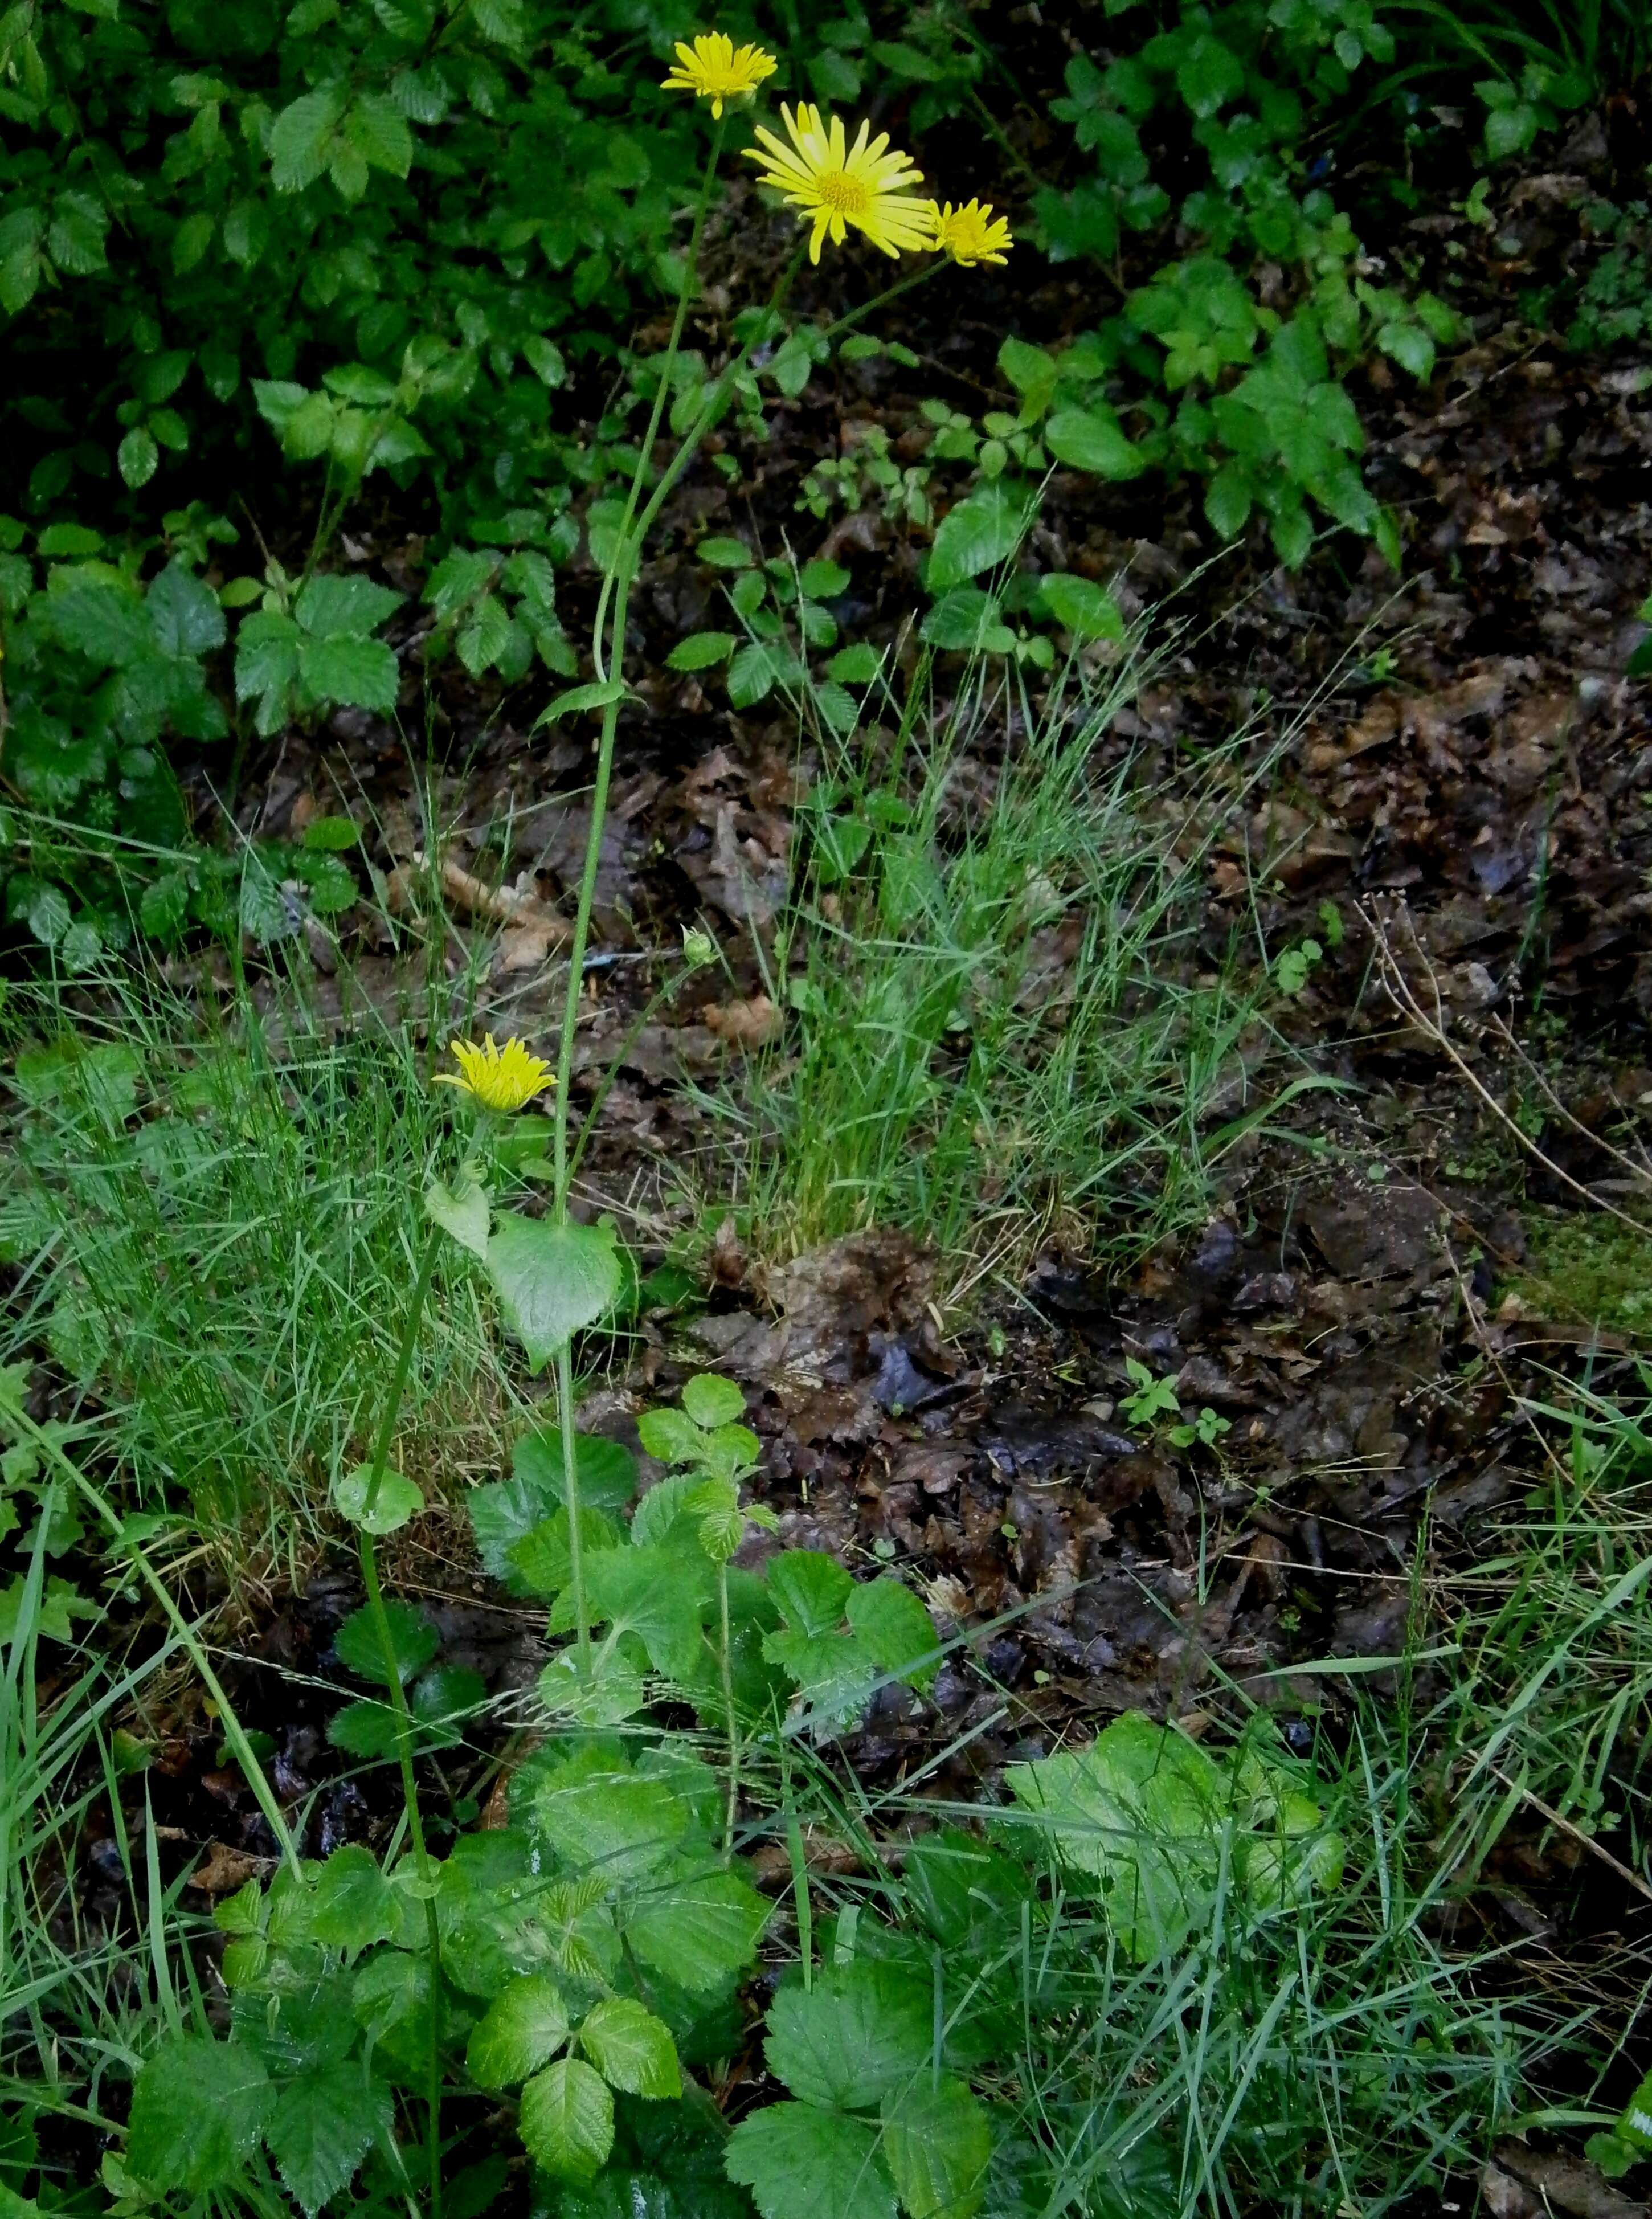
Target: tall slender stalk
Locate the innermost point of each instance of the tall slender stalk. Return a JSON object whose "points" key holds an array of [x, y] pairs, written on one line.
{"points": [[726, 1664], [404, 1723]]}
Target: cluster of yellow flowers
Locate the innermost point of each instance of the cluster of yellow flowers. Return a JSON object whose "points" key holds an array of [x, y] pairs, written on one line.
{"points": [[831, 184]]}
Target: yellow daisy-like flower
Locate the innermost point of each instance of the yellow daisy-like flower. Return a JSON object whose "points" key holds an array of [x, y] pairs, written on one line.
{"points": [[501, 1079], [970, 232], [834, 185], [715, 69]]}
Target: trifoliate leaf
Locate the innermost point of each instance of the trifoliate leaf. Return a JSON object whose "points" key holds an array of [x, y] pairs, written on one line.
{"points": [[632, 2048], [567, 2120], [809, 1589], [895, 1629], [524, 2028]]}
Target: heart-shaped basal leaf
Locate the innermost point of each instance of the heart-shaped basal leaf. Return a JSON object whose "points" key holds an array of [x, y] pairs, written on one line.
{"points": [[552, 1279], [462, 1209], [395, 1502]]}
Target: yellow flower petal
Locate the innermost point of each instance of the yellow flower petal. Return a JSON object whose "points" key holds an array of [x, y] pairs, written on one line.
{"points": [[969, 233], [715, 69], [501, 1079], [832, 185]]}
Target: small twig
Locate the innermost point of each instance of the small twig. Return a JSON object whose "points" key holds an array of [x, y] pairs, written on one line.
{"points": [[1575, 1833], [1399, 992]]}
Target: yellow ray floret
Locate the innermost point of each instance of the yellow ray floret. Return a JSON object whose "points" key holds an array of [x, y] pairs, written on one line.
{"points": [[832, 185], [970, 232], [715, 69], [501, 1079]]}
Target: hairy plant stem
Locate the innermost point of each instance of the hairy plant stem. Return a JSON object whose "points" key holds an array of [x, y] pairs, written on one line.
{"points": [[399, 1699], [726, 1663], [571, 1498]]}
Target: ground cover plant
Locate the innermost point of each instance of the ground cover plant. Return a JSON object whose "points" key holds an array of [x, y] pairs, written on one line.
{"points": [[822, 1388]]}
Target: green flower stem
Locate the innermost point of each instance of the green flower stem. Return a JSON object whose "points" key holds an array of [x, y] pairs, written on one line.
{"points": [[404, 1364], [662, 394], [571, 1499], [726, 1663], [421, 1857], [399, 1700]]}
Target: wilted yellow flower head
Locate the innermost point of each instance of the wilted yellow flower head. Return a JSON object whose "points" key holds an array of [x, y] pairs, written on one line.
{"points": [[970, 232], [834, 185], [715, 69], [501, 1079]]}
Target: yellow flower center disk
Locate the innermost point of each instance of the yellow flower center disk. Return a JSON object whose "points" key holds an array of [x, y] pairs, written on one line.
{"points": [[844, 194]]}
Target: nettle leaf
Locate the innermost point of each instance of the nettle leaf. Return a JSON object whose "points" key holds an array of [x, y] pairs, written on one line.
{"points": [[355, 1903], [524, 2028], [937, 2144], [653, 1593], [632, 2048], [600, 1815], [322, 2126], [396, 1503], [541, 1560], [864, 2032], [334, 607], [184, 614], [567, 2120], [801, 2163], [413, 1641], [198, 2107], [698, 1933], [552, 1280], [357, 673], [605, 1471], [895, 1629]]}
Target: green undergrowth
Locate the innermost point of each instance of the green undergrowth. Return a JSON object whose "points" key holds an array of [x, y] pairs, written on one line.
{"points": [[1001, 1014], [212, 1219], [1584, 1265]]}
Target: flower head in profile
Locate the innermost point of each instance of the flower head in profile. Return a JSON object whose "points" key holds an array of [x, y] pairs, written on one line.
{"points": [[501, 1079], [970, 232], [715, 69], [834, 185]]}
